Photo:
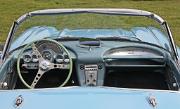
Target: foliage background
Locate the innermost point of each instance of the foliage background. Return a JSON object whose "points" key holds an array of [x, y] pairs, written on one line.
{"points": [[10, 10]]}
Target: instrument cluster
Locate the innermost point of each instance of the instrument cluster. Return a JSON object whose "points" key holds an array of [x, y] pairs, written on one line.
{"points": [[32, 61], [47, 55], [48, 51]]}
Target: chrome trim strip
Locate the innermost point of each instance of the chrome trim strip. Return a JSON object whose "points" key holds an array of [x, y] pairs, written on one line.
{"points": [[9, 39], [103, 87], [132, 12], [172, 43]]}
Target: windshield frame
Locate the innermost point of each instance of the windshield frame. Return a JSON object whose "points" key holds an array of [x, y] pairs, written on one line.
{"points": [[108, 11]]}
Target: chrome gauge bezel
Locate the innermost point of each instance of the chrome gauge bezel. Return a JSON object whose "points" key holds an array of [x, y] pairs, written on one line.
{"points": [[50, 52], [34, 58], [66, 58], [59, 58], [26, 59]]}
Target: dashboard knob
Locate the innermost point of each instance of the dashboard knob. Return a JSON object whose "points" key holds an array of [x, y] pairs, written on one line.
{"points": [[100, 66], [82, 67]]}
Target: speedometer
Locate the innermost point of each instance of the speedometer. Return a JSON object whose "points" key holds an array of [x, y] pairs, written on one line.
{"points": [[48, 55]]}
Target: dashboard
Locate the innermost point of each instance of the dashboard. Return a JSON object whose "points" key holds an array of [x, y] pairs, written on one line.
{"points": [[91, 63]]}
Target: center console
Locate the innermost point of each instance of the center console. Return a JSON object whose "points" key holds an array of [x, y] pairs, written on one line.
{"points": [[91, 74]]}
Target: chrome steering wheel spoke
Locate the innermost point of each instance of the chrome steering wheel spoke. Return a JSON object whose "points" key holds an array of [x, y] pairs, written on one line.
{"points": [[37, 78], [36, 52]]}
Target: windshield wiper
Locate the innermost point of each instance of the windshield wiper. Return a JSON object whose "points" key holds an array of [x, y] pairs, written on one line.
{"points": [[119, 38]]}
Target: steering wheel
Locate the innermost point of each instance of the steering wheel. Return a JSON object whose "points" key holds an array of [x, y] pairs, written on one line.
{"points": [[43, 64]]}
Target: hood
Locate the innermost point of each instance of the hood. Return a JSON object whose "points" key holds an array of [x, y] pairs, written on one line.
{"points": [[89, 98]]}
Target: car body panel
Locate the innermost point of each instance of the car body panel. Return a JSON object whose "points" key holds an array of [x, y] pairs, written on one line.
{"points": [[89, 98]]}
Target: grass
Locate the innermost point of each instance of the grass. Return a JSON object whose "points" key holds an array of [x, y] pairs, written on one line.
{"points": [[10, 10]]}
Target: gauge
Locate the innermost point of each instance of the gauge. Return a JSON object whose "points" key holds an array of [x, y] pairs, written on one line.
{"points": [[59, 58], [48, 55], [66, 58], [27, 58], [34, 58]]}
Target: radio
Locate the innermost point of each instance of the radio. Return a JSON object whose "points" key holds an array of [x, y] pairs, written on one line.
{"points": [[91, 74]]}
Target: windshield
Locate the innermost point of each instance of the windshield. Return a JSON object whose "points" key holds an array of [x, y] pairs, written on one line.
{"points": [[90, 25]]}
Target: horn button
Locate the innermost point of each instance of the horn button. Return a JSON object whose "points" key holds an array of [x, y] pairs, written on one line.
{"points": [[44, 65]]}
